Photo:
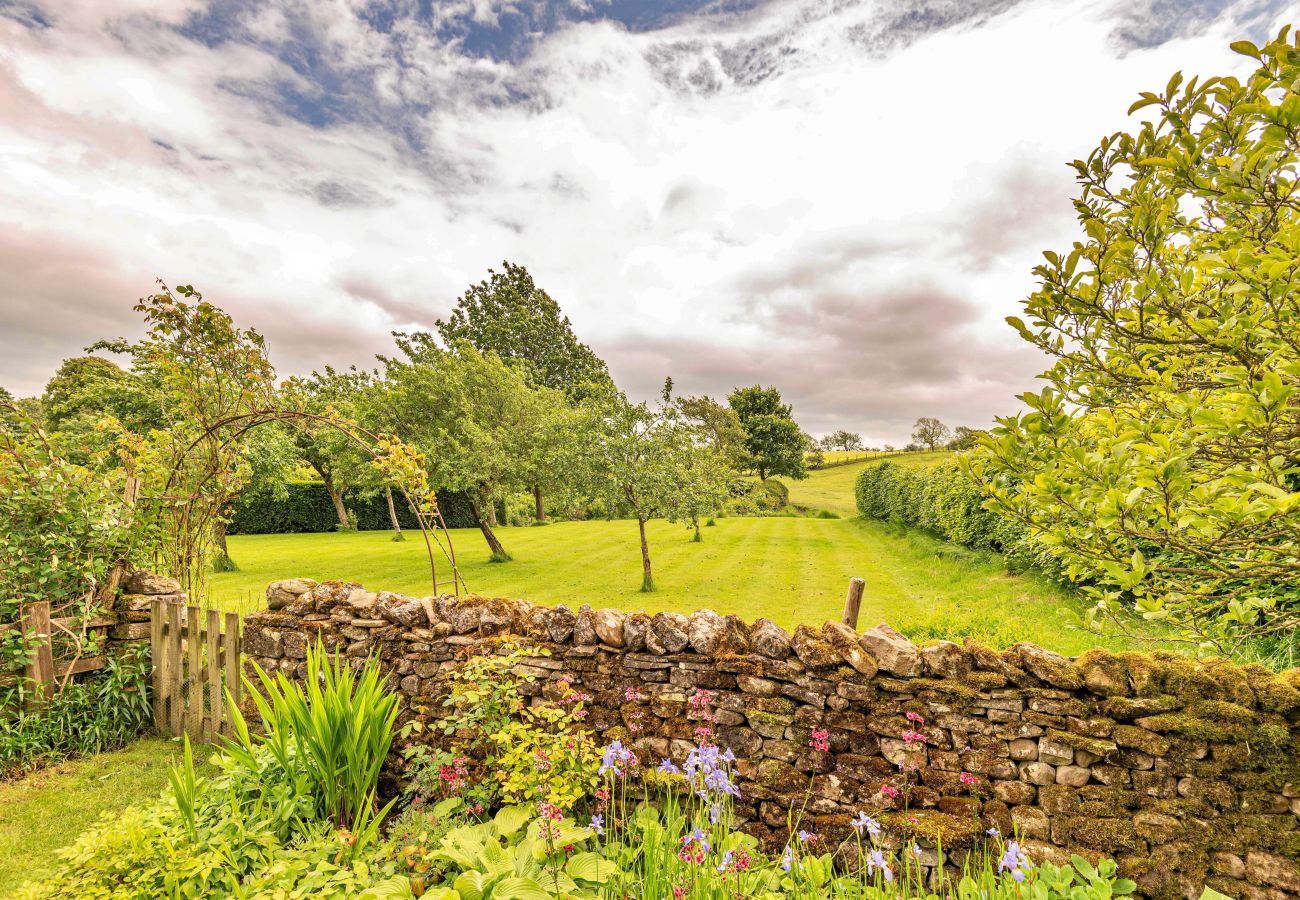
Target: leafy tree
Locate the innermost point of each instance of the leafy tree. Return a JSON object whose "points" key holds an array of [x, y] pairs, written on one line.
{"points": [[1162, 462], [481, 424], [842, 440], [509, 315], [963, 438], [930, 432], [644, 459], [774, 444], [716, 426]]}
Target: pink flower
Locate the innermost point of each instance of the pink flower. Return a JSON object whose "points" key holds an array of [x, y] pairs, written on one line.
{"points": [[889, 790], [914, 737], [915, 717], [968, 779], [678, 892], [819, 740], [632, 694]]}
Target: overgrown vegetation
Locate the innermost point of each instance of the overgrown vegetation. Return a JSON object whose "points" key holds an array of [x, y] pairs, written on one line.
{"points": [[1162, 464]]}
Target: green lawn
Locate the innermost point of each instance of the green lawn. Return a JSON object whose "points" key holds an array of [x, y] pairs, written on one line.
{"points": [[50, 808], [832, 488], [789, 569]]}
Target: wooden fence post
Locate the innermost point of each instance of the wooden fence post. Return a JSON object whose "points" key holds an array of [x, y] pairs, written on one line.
{"points": [[156, 658], [36, 627], [194, 685], [853, 602], [230, 642], [174, 665], [212, 643]]}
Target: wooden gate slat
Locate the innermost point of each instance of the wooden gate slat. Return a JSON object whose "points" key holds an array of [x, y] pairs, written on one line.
{"points": [[36, 626], [194, 650], [156, 658], [175, 670], [212, 642], [231, 647]]}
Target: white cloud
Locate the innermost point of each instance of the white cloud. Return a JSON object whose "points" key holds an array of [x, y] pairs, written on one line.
{"points": [[733, 198]]}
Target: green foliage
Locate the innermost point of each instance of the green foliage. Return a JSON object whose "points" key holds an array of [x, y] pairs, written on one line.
{"points": [[62, 528], [510, 316], [1162, 464], [305, 507], [930, 432], [546, 756], [944, 501], [89, 716], [328, 738], [774, 445]]}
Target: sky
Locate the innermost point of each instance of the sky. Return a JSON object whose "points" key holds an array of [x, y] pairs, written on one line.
{"points": [[843, 199]]}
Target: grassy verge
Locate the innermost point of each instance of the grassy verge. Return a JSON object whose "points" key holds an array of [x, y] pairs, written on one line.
{"points": [[48, 809], [789, 569]]}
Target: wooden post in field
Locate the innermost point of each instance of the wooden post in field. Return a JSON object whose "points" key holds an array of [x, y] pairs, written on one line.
{"points": [[36, 627], [853, 602]]}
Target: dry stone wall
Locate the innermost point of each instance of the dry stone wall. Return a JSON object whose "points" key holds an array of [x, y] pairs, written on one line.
{"points": [[1187, 773]]}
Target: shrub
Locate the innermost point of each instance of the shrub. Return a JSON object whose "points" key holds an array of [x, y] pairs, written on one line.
{"points": [[944, 501], [305, 507], [91, 716]]}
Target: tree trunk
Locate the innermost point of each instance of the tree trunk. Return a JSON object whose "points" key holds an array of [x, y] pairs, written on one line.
{"points": [[221, 561], [339, 509], [491, 513], [499, 553], [695, 522], [392, 516], [540, 510], [647, 580]]}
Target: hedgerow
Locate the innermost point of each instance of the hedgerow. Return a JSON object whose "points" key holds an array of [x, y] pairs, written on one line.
{"points": [[305, 507], [944, 501]]}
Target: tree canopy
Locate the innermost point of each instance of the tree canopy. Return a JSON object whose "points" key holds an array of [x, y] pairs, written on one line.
{"points": [[509, 315], [1162, 461], [774, 443]]}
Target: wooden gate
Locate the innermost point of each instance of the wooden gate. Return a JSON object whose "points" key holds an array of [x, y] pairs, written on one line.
{"points": [[192, 660]]}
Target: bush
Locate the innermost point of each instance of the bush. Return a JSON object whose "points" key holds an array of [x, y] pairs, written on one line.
{"points": [[306, 507], [944, 501], [91, 716]]}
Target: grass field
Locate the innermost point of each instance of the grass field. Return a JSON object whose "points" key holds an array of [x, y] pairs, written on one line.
{"points": [[832, 488], [50, 808], [791, 570]]}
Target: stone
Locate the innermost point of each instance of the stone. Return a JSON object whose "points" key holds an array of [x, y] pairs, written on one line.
{"points": [[401, 610], [1030, 821], [769, 639], [261, 642], [1023, 750], [497, 617], [945, 659], [1055, 752], [1014, 793], [845, 642], [1228, 864], [635, 627], [584, 627], [737, 636], [361, 601], [280, 594], [609, 626], [132, 631], [1074, 776], [668, 633], [762, 687], [149, 583], [1048, 667], [1147, 742], [892, 652], [813, 651], [706, 631], [559, 624], [1155, 827], [1039, 773], [1274, 871]]}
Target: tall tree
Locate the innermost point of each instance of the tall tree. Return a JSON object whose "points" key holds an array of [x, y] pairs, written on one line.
{"points": [[644, 459], [716, 426], [478, 420], [929, 432], [774, 444], [336, 460], [509, 315], [1160, 464], [843, 440], [963, 438]]}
